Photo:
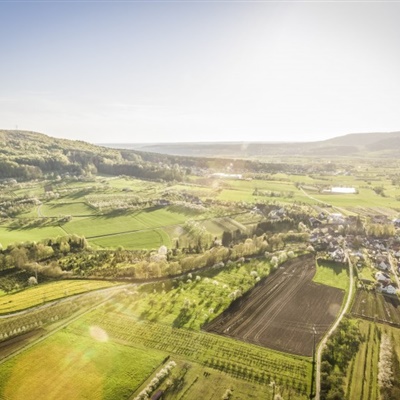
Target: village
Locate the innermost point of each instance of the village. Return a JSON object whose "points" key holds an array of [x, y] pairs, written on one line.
{"points": [[375, 256]]}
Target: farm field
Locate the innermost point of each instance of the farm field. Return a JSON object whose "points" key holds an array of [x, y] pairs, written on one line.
{"points": [[93, 227], [332, 274], [40, 294], [9, 236], [146, 239], [60, 209], [376, 306], [73, 367], [362, 380], [280, 312], [241, 360], [199, 382], [193, 300]]}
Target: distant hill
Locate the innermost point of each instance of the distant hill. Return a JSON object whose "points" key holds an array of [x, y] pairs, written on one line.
{"points": [[30, 155], [381, 144]]}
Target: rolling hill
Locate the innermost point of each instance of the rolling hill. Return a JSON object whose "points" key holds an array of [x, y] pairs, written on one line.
{"points": [[381, 144]]}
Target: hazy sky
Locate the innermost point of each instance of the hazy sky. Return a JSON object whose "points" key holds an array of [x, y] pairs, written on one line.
{"points": [[199, 70]]}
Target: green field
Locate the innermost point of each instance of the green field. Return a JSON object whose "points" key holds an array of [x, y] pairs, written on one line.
{"points": [[332, 274], [9, 236], [199, 382], [93, 227], [73, 367], [194, 300], [362, 376], [47, 292], [238, 359], [62, 209], [147, 239]]}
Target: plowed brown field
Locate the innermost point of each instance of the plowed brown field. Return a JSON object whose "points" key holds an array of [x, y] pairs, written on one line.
{"points": [[282, 309]]}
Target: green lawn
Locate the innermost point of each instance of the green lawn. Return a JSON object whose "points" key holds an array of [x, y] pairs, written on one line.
{"points": [[332, 274], [67, 366]]}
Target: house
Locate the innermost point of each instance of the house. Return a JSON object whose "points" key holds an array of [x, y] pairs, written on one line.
{"points": [[382, 277], [337, 255], [383, 266], [397, 254], [389, 289]]}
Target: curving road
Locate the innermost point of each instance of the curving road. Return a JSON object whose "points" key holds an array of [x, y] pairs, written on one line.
{"points": [[333, 328]]}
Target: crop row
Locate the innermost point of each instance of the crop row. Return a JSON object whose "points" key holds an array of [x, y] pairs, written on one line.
{"points": [[44, 293], [14, 326], [208, 349]]}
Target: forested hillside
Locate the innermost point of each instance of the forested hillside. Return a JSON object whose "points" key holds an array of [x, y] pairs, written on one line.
{"points": [[31, 155]]}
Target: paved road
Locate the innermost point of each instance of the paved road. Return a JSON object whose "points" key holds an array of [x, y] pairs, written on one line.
{"points": [[329, 333]]}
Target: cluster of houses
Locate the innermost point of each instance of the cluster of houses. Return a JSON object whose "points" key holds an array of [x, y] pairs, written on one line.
{"points": [[381, 253]]}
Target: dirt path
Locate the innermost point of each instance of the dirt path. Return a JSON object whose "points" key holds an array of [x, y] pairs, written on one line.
{"points": [[342, 210], [329, 333]]}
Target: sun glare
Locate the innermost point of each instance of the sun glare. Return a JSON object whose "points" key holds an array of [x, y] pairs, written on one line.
{"points": [[98, 334]]}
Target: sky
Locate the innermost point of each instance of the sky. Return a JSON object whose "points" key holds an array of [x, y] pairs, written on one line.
{"points": [[171, 71]]}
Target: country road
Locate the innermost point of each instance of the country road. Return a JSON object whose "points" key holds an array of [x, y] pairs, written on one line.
{"points": [[333, 328]]}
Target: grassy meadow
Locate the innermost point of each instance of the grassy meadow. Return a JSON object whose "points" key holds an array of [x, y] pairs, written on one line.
{"points": [[332, 274]]}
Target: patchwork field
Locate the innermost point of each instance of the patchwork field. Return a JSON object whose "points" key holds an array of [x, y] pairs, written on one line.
{"points": [[281, 311]]}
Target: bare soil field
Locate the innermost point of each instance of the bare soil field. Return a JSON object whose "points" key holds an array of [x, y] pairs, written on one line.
{"points": [[280, 312], [376, 306]]}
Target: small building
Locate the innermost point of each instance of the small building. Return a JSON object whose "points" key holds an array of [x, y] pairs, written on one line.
{"points": [[383, 266], [382, 277]]}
